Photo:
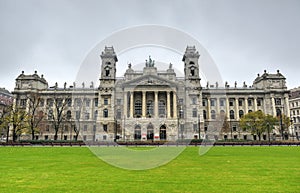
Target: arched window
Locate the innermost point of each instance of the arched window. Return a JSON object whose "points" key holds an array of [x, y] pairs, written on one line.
{"points": [[137, 132], [119, 114], [150, 132], [241, 113], [204, 114], [213, 114], [162, 108], [163, 133], [231, 114], [105, 113], [50, 114], [95, 114], [192, 71], [138, 108], [149, 108], [69, 115], [194, 112], [107, 71], [278, 112]]}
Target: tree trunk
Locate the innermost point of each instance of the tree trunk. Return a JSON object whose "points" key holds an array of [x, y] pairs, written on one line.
{"points": [[14, 136], [32, 134], [7, 134]]}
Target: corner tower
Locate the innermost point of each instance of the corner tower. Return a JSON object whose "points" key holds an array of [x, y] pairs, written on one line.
{"points": [[191, 66], [108, 67], [106, 101]]}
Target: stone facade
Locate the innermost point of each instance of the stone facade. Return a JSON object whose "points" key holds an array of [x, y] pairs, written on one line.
{"points": [[6, 100], [295, 111], [152, 104]]}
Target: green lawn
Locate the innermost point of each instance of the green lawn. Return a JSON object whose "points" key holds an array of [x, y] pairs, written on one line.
{"points": [[222, 169]]}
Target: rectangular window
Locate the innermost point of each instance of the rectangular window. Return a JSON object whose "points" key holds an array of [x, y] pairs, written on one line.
{"points": [[119, 101], [194, 100], [23, 102], [277, 101], [46, 137], [77, 114], [47, 128], [69, 102], [87, 116], [49, 102], [105, 101], [259, 102], [180, 101], [204, 103], [96, 102], [87, 102], [59, 102], [41, 102], [212, 102], [234, 128], [85, 127], [231, 103], [194, 112], [118, 114], [222, 102], [105, 128], [195, 127], [249, 102], [240, 102], [84, 137]]}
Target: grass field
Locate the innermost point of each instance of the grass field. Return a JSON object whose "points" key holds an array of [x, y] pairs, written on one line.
{"points": [[222, 169]]}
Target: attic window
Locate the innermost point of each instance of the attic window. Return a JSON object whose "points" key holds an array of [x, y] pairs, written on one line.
{"points": [[107, 71], [192, 71]]}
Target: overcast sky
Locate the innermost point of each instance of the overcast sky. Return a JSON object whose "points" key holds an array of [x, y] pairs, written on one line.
{"points": [[243, 37]]}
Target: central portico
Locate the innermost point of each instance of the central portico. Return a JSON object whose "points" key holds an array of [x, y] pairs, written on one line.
{"points": [[149, 104]]}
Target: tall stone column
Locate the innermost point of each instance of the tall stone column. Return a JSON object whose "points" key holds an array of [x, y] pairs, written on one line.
{"points": [[144, 105], [217, 105], [255, 104], [273, 106], [174, 105], [125, 104], [156, 104], [168, 105], [227, 108], [246, 105], [131, 104], [208, 108], [236, 108], [286, 100]]}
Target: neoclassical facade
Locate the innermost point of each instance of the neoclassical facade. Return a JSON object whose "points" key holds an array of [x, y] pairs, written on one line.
{"points": [[295, 112], [151, 104]]}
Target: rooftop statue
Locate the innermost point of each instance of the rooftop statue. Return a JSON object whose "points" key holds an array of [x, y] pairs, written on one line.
{"points": [[150, 63]]}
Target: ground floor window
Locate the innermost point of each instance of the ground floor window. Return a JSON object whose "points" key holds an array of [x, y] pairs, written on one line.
{"points": [[163, 133], [137, 132]]}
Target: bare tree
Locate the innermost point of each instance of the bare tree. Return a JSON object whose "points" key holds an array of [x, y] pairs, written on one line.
{"points": [[80, 103], [34, 115], [5, 111], [56, 112], [17, 119]]}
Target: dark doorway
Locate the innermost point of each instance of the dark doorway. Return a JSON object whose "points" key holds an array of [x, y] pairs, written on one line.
{"points": [[137, 132], [163, 132], [150, 134]]}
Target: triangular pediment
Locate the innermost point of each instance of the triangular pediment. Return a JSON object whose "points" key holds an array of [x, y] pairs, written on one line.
{"points": [[149, 80]]}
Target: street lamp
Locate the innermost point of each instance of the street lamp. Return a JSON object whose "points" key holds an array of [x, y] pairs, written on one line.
{"points": [[199, 129], [292, 128], [268, 126]]}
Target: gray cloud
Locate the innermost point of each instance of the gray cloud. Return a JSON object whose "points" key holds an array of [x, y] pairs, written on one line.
{"points": [[243, 37]]}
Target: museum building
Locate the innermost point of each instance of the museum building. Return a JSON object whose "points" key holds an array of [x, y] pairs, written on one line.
{"points": [[149, 104]]}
